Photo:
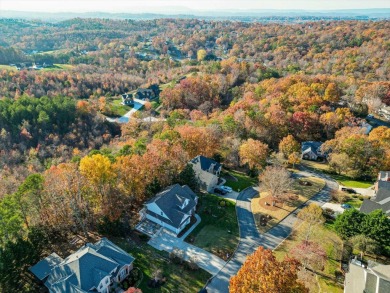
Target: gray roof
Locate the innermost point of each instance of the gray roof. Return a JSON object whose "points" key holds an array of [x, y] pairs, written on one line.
{"points": [[383, 191], [170, 201], [206, 163], [357, 282], [84, 269], [369, 206], [313, 146], [42, 269]]}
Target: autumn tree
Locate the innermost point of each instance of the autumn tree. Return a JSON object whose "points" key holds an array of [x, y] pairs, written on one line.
{"points": [[253, 153], [288, 145], [201, 54], [310, 254], [276, 180], [262, 273], [294, 159], [312, 216]]}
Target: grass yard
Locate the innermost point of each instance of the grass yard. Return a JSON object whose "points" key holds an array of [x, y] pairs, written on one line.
{"points": [[116, 109], [279, 212], [331, 243], [242, 180], [179, 278], [342, 179], [355, 201], [218, 231], [7, 67]]}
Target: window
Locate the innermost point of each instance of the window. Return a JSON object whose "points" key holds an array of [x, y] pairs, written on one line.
{"points": [[107, 281]]}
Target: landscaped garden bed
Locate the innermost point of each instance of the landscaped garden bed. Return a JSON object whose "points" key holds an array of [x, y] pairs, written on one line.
{"points": [[268, 212], [218, 231]]}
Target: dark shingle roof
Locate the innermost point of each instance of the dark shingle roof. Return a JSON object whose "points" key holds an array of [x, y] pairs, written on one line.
{"points": [[369, 206], [85, 268], [313, 145], [205, 163], [383, 191], [170, 202], [42, 269]]}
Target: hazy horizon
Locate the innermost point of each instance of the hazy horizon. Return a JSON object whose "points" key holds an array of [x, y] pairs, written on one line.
{"points": [[185, 6]]}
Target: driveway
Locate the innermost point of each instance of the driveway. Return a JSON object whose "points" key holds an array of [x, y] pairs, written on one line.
{"points": [[138, 104], [204, 259], [250, 239], [166, 240]]}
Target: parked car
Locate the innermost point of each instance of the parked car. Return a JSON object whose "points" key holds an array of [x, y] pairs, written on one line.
{"points": [[349, 190], [218, 190], [226, 188], [346, 206]]}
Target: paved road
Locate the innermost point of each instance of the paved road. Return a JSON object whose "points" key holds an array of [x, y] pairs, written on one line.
{"points": [[138, 104], [250, 238]]}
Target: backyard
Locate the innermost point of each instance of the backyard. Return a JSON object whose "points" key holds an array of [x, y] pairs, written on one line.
{"points": [[330, 242], [178, 277], [267, 216], [115, 108], [342, 179], [218, 231], [238, 180]]}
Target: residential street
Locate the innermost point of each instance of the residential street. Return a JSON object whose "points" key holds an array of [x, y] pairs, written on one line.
{"points": [[249, 236]]}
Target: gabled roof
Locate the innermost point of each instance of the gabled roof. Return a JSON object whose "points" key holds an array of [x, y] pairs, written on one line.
{"points": [[171, 201], [42, 269], [369, 206], [383, 192], [84, 269], [206, 163], [313, 145]]}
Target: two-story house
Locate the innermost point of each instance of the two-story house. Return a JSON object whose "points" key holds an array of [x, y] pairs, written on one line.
{"points": [[207, 172], [172, 208], [381, 200], [92, 268]]}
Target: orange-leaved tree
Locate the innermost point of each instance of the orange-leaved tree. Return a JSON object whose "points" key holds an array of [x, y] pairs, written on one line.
{"points": [[262, 273]]}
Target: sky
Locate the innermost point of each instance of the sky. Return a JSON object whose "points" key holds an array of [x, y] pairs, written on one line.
{"points": [[176, 6]]}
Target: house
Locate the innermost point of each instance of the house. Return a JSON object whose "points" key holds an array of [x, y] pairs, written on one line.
{"points": [[207, 171], [311, 150], [374, 278], [381, 200], [172, 208], [385, 112], [127, 99], [149, 93], [92, 268]]}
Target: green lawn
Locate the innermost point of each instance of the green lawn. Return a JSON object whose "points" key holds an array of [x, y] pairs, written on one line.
{"points": [[355, 202], [59, 67], [330, 242], [7, 67], [342, 179], [218, 230], [179, 278], [243, 180], [116, 109]]}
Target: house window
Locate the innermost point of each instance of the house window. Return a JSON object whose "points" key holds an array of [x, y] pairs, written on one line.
{"points": [[106, 281]]}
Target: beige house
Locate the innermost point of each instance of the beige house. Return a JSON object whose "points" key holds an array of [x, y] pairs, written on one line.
{"points": [[207, 171]]}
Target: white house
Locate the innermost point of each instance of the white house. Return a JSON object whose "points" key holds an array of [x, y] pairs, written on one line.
{"points": [[207, 171], [92, 268], [172, 208]]}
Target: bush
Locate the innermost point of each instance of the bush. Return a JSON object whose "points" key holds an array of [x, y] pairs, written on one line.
{"points": [[177, 256], [339, 196]]}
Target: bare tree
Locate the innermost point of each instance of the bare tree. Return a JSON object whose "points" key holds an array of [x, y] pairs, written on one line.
{"points": [[276, 180]]}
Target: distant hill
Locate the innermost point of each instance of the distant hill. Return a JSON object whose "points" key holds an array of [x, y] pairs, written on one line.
{"points": [[180, 12]]}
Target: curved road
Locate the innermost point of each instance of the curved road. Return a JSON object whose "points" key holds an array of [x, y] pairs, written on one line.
{"points": [[250, 238]]}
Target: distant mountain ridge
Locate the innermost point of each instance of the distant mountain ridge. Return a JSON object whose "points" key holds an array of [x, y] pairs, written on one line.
{"points": [[182, 12]]}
